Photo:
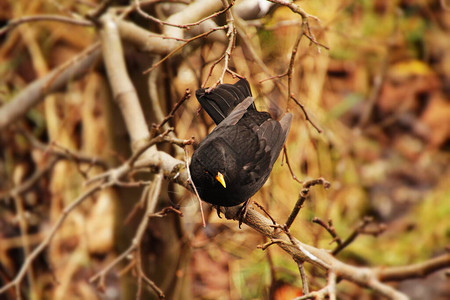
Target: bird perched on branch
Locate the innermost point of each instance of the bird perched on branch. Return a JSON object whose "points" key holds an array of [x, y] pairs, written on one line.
{"points": [[236, 158]]}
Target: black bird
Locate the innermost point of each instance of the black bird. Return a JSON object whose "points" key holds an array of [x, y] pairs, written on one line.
{"points": [[236, 158]]}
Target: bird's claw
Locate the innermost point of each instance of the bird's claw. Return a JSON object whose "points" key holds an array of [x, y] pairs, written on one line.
{"points": [[243, 212], [218, 211]]}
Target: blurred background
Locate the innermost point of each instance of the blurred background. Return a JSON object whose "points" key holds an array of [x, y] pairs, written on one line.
{"points": [[380, 94]]}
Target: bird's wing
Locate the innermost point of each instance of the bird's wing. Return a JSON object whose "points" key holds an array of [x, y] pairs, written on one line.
{"points": [[285, 123], [274, 134], [237, 113], [219, 102]]}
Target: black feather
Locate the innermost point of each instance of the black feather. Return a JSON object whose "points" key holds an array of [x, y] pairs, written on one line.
{"points": [[243, 147], [219, 102]]}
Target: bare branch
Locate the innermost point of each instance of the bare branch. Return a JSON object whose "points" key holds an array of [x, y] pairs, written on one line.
{"points": [[304, 277], [43, 18], [178, 48], [54, 81], [305, 113], [299, 251], [231, 34], [360, 229], [151, 201], [418, 270], [99, 10], [186, 96], [183, 26], [30, 182], [330, 228], [124, 92], [304, 194]]}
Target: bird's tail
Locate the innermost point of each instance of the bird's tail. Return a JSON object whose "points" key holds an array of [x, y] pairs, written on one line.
{"points": [[219, 102]]}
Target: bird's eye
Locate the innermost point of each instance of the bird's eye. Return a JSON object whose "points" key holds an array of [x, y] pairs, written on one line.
{"points": [[209, 174]]}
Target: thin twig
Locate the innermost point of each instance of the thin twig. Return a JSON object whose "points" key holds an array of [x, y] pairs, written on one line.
{"points": [[182, 46], [265, 211], [99, 10], [360, 229], [305, 113], [43, 18], [136, 162], [194, 188], [304, 194], [30, 182], [186, 96], [290, 69], [150, 205], [231, 34], [63, 153], [24, 227], [139, 205], [183, 26], [286, 157], [329, 228], [304, 277], [147, 145], [304, 30], [153, 286]]}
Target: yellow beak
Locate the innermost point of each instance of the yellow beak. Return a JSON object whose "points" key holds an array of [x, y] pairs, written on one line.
{"points": [[221, 179]]}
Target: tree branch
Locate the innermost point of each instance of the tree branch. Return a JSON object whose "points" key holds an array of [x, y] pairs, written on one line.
{"points": [[53, 82], [123, 90], [372, 278]]}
